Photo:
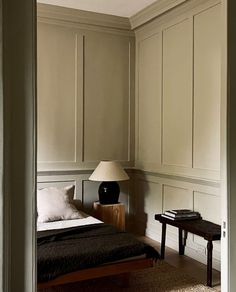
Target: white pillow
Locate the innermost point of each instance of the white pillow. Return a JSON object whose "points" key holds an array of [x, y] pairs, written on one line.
{"points": [[56, 204]]}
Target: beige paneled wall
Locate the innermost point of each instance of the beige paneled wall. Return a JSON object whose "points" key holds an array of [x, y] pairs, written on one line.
{"points": [[177, 90], [107, 97], [60, 52], [178, 57], [178, 102], [85, 89], [85, 98], [148, 202], [207, 89], [149, 74]]}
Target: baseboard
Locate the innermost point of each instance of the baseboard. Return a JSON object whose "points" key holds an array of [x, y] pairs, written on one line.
{"points": [[197, 254]]}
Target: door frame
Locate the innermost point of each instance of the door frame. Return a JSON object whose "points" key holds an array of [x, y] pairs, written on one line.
{"points": [[18, 145], [224, 153]]}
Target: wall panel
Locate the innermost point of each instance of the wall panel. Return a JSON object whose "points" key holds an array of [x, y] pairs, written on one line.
{"points": [[89, 194], [209, 205], [107, 98], [177, 95], [148, 194], [187, 140], [149, 100], [85, 95], [207, 89], [58, 93], [177, 198]]}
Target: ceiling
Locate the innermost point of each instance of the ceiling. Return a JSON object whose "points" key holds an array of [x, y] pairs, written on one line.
{"points": [[124, 8]]}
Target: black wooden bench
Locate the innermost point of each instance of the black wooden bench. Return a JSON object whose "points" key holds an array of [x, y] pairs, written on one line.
{"points": [[208, 230]]}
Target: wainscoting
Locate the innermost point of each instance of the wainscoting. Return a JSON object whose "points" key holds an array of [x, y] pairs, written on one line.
{"points": [[154, 193]]}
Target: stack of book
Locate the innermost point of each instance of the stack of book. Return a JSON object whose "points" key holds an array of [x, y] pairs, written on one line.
{"points": [[181, 214]]}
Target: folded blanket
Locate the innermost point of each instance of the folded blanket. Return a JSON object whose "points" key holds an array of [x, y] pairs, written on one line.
{"points": [[66, 250]]}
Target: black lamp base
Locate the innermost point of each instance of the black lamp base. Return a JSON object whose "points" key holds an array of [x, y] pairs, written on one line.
{"points": [[108, 192]]}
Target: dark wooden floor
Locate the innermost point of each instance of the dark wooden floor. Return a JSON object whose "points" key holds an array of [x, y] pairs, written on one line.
{"points": [[186, 264]]}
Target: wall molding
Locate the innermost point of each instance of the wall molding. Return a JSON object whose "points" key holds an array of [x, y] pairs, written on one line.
{"points": [[129, 159], [162, 20], [77, 99], [135, 171], [188, 179], [55, 13], [88, 19], [152, 11], [64, 172]]}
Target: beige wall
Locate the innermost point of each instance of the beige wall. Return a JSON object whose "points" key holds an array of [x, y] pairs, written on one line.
{"points": [[85, 98], [178, 77], [85, 94], [178, 94]]}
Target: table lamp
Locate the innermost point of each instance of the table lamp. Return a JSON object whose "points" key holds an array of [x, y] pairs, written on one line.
{"points": [[109, 172]]}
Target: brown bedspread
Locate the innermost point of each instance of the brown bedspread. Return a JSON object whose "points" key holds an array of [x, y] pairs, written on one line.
{"points": [[67, 250]]}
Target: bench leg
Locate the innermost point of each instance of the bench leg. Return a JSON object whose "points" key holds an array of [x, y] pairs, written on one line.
{"points": [[182, 241], [209, 263], [185, 237], [163, 240], [181, 251]]}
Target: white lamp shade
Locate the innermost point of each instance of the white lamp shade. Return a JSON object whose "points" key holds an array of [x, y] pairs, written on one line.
{"points": [[109, 171]]}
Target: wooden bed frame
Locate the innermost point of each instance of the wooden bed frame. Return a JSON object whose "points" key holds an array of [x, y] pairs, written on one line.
{"points": [[98, 272]]}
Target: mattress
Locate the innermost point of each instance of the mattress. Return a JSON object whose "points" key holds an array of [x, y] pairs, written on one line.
{"points": [[55, 225]]}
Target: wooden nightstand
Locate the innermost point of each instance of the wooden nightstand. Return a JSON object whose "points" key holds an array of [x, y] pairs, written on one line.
{"points": [[113, 214]]}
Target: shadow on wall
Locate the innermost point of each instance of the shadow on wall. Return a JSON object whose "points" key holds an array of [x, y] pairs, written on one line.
{"points": [[140, 192]]}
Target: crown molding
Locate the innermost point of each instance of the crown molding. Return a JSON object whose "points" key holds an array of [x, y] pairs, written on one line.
{"points": [[152, 11], [57, 13]]}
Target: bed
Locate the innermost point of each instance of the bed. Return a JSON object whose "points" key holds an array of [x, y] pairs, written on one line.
{"points": [[86, 248]]}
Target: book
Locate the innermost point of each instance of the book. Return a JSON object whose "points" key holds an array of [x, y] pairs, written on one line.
{"points": [[181, 218], [181, 211], [182, 215]]}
